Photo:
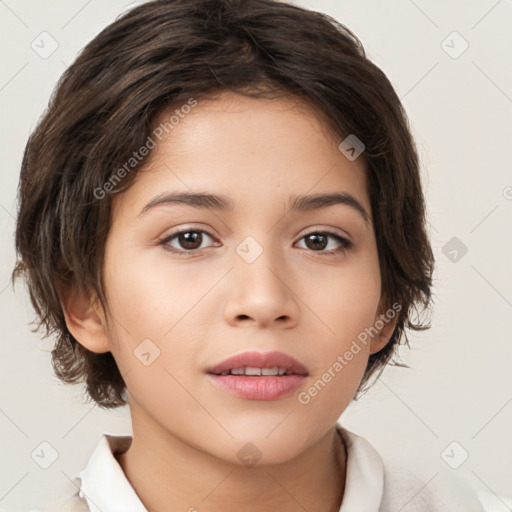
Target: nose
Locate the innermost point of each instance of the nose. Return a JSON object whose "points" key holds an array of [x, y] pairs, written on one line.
{"points": [[261, 292]]}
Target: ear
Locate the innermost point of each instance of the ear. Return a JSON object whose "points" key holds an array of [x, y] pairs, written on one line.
{"points": [[385, 322], [85, 319]]}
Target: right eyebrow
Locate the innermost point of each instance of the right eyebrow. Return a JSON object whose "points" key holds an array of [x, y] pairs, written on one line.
{"points": [[196, 200]]}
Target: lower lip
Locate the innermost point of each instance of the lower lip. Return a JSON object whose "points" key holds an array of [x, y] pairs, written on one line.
{"points": [[258, 388]]}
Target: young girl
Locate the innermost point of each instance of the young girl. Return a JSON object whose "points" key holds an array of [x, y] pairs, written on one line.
{"points": [[221, 217]]}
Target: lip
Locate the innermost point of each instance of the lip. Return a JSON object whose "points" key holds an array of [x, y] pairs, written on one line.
{"points": [[264, 387], [260, 360]]}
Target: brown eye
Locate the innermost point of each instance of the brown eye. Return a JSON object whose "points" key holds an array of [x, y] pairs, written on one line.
{"points": [[317, 241], [188, 240]]}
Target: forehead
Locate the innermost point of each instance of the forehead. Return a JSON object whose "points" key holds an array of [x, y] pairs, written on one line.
{"points": [[258, 152]]}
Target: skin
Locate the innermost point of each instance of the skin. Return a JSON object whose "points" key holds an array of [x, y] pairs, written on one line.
{"points": [[204, 307]]}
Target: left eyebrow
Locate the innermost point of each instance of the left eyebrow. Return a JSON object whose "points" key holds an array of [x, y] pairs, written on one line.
{"points": [[317, 201], [300, 203]]}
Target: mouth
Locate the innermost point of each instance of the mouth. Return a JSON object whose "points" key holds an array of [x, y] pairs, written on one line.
{"points": [[259, 376], [252, 371]]}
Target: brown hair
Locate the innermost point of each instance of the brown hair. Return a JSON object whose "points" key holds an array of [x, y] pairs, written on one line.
{"points": [[157, 56]]}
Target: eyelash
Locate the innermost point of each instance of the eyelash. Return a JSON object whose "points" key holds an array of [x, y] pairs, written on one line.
{"points": [[346, 245]]}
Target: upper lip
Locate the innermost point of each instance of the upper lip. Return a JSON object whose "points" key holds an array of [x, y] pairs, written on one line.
{"points": [[255, 359]]}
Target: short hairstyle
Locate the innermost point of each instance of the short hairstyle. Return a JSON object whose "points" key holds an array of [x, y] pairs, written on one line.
{"points": [[157, 56]]}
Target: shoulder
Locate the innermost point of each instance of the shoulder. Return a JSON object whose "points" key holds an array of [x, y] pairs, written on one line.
{"points": [[404, 489], [400, 482], [97, 479], [67, 499], [75, 504]]}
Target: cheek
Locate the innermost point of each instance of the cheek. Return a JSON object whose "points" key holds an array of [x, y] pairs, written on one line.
{"points": [[341, 359], [345, 299], [148, 295], [158, 312], [345, 302]]}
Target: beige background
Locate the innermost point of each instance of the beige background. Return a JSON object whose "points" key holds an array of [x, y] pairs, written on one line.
{"points": [[460, 106]]}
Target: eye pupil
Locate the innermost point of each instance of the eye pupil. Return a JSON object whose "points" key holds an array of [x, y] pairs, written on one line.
{"points": [[316, 237], [189, 239]]}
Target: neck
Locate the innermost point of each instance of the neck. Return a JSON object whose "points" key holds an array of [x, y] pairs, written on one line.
{"points": [[169, 474]]}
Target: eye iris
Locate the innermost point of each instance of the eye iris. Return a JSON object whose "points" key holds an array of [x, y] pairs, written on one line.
{"points": [[315, 237], [189, 239]]}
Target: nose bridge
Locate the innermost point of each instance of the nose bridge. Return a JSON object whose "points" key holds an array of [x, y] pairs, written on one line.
{"points": [[258, 263], [260, 290]]}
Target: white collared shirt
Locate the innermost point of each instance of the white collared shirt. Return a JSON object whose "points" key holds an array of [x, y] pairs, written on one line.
{"points": [[370, 486]]}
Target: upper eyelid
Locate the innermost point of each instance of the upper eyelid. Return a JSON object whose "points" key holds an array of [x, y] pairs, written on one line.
{"points": [[310, 230], [328, 231]]}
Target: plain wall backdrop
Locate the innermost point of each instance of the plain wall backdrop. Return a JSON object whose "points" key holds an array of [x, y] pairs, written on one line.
{"points": [[450, 63]]}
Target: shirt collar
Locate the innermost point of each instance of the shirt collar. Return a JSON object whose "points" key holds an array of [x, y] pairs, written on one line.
{"points": [[105, 487], [103, 483], [364, 481]]}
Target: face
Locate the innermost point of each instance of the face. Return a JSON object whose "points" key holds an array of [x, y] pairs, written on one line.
{"points": [[255, 276]]}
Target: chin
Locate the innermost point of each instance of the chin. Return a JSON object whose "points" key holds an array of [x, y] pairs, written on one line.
{"points": [[259, 449]]}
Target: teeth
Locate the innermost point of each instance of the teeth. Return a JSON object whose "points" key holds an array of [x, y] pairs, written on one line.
{"points": [[251, 371]]}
